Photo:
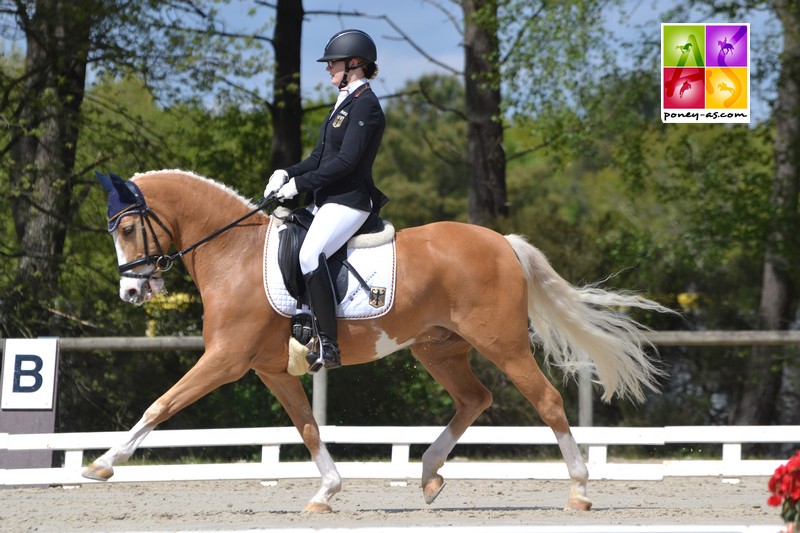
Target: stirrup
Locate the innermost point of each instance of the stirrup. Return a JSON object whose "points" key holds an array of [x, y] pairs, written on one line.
{"points": [[317, 359]]}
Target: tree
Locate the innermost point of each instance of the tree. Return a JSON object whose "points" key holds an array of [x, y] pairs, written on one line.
{"points": [[520, 57], [761, 383], [173, 45], [487, 158], [107, 390], [286, 108], [421, 164], [44, 133], [777, 305]]}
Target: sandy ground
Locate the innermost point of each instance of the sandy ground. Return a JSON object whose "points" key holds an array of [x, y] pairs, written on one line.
{"points": [[207, 505]]}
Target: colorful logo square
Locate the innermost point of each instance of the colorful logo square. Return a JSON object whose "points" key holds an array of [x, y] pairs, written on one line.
{"points": [[705, 73], [726, 45], [683, 45], [684, 88], [726, 88]]}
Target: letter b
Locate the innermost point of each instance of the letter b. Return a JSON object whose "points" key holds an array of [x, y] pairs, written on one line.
{"points": [[34, 373]]}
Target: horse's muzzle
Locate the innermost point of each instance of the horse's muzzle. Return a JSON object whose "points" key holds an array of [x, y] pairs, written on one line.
{"points": [[137, 291]]}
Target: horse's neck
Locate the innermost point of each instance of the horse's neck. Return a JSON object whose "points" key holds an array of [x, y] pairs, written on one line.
{"points": [[199, 221], [198, 209]]}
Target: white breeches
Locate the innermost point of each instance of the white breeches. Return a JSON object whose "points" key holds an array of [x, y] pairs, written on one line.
{"points": [[333, 226]]}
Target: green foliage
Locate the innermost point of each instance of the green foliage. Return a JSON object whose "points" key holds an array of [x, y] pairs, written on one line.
{"points": [[550, 51], [422, 162]]}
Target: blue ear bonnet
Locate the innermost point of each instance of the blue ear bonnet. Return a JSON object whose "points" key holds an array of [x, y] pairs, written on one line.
{"points": [[124, 198]]}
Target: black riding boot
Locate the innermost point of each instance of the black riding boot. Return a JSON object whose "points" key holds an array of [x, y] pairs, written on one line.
{"points": [[323, 306]]}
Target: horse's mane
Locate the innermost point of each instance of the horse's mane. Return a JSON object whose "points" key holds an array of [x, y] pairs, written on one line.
{"points": [[221, 186]]}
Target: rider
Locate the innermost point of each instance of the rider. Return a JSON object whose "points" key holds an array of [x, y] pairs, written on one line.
{"points": [[338, 174]]}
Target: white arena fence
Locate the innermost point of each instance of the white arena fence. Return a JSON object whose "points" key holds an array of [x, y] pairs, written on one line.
{"points": [[399, 466]]}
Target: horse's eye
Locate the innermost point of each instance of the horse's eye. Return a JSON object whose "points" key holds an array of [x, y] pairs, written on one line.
{"points": [[127, 230]]}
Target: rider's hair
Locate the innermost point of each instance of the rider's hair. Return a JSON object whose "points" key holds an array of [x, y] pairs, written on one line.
{"points": [[370, 70]]}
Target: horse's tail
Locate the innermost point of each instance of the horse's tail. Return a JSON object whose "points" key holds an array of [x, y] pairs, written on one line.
{"points": [[568, 320]]}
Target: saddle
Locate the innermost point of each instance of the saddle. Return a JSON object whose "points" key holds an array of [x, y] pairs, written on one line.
{"points": [[290, 239]]}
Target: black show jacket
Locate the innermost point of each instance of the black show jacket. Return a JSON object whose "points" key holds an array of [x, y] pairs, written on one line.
{"points": [[339, 169]]}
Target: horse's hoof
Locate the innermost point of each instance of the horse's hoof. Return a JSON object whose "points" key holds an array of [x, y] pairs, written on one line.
{"points": [[578, 503], [314, 507], [97, 472], [432, 488]]}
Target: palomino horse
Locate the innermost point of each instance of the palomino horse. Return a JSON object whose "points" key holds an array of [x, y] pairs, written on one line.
{"points": [[458, 286]]}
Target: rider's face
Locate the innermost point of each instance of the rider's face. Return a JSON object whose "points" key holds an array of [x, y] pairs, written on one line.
{"points": [[336, 69]]}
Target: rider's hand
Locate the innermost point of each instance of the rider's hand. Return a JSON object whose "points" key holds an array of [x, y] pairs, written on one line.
{"points": [[276, 181], [288, 191]]}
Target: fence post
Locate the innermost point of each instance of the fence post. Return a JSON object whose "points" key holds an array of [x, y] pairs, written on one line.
{"points": [[319, 397], [585, 410]]}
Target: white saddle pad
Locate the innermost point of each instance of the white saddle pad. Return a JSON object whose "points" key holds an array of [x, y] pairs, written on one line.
{"points": [[376, 265]]}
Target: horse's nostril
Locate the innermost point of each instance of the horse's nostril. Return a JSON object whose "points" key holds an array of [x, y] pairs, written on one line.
{"points": [[133, 293]]}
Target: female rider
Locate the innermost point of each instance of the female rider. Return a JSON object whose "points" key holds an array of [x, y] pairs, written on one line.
{"points": [[338, 174]]}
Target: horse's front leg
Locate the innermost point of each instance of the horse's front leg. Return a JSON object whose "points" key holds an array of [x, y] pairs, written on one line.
{"points": [[289, 392], [102, 468], [210, 372]]}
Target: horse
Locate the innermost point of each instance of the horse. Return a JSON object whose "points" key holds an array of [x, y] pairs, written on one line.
{"points": [[725, 47], [725, 87], [458, 287]]}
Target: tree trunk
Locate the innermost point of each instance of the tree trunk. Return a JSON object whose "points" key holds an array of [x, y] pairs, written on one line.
{"points": [[43, 157], [486, 157], [763, 371], [287, 109]]}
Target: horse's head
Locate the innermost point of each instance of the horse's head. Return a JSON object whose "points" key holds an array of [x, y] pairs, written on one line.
{"points": [[141, 245]]}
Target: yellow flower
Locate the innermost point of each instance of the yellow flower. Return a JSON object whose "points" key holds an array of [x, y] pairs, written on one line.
{"points": [[689, 301], [178, 301]]}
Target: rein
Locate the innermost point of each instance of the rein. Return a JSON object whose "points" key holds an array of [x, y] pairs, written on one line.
{"points": [[164, 262]]}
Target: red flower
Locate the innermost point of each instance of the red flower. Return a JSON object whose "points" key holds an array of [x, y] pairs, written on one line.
{"points": [[784, 486]]}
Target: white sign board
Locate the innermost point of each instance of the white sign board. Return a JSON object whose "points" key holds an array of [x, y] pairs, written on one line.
{"points": [[29, 374]]}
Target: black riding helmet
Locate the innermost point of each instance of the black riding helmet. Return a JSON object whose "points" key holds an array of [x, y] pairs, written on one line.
{"points": [[350, 43]]}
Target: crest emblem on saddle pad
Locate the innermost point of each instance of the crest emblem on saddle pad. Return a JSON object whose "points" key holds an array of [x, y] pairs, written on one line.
{"points": [[377, 296]]}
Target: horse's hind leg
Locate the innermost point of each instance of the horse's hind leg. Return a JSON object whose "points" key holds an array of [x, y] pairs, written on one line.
{"points": [[210, 372], [289, 392], [448, 363], [520, 366]]}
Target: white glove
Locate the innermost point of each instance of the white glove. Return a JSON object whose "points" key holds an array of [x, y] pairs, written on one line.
{"points": [[288, 191], [276, 181]]}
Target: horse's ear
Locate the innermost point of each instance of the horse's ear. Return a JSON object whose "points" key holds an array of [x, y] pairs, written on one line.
{"points": [[105, 181], [126, 195], [112, 183]]}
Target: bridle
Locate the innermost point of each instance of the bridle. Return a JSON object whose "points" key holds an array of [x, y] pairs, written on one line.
{"points": [[163, 261]]}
